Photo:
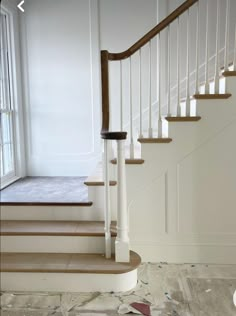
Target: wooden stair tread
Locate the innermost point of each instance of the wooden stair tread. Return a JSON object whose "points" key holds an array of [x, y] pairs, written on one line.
{"points": [[129, 161], [96, 178], [46, 203], [54, 228], [212, 96], [229, 73], [66, 263], [155, 140], [91, 182], [183, 118]]}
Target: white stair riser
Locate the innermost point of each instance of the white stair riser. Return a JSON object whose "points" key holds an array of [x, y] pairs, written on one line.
{"points": [[53, 244], [96, 194], [68, 282], [63, 213]]}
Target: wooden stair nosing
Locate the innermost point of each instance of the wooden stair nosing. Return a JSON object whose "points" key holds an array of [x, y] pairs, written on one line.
{"points": [[99, 183], [55, 228], [5, 203], [129, 161], [229, 73], [155, 140], [66, 263], [209, 96], [183, 118]]}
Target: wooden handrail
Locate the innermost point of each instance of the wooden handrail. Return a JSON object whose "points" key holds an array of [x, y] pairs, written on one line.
{"points": [[105, 91], [157, 29], [106, 56]]}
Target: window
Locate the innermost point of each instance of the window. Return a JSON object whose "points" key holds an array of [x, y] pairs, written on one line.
{"points": [[7, 145]]}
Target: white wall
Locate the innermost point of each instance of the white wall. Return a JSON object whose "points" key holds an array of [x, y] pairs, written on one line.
{"points": [[62, 97], [60, 43]]}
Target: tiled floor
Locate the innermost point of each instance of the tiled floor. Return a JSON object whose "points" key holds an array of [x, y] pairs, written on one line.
{"points": [[46, 189], [175, 290]]}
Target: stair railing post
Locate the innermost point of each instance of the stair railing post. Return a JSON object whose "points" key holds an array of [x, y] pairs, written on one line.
{"points": [[150, 131], [188, 103], [107, 201], [197, 53], [235, 49], [217, 75], [178, 70], [226, 66], [207, 86], [122, 241], [159, 132]]}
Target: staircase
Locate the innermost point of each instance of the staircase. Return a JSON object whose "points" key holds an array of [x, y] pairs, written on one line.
{"points": [[167, 204]]}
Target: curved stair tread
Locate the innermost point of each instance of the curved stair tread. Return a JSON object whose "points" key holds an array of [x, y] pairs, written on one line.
{"points": [[66, 263], [54, 228]]}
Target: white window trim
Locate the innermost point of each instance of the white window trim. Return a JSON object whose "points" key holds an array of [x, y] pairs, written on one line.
{"points": [[9, 9]]}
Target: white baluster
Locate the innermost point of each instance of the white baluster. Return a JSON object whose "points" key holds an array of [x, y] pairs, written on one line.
{"points": [[150, 132], [235, 50], [131, 111], [207, 86], [168, 74], [226, 66], [121, 97], [188, 104], [140, 96], [178, 72], [159, 135], [107, 203], [197, 53], [217, 75], [122, 239]]}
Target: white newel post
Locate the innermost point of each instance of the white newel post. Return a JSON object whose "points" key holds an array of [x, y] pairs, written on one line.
{"points": [[107, 205], [122, 239]]}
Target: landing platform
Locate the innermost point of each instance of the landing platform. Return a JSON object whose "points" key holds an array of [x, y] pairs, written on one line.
{"points": [[46, 190]]}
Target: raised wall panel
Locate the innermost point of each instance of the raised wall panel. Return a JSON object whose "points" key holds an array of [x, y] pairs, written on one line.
{"points": [[60, 44]]}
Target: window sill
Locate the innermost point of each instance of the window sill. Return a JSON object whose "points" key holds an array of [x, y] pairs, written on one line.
{"points": [[7, 182]]}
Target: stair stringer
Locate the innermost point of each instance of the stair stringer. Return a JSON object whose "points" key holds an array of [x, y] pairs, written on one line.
{"points": [[174, 216]]}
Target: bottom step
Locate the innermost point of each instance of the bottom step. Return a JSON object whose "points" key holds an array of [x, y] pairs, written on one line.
{"points": [[67, 272]]}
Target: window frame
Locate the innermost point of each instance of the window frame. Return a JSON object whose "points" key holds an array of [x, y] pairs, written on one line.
{"points": [[13, 43]]}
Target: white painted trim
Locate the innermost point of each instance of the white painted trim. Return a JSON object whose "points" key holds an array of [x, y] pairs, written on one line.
{"points": [[68, 282], [6, 182], [10, 10], [188, 253]]}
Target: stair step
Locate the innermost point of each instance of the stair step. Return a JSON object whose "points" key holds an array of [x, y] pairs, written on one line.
{"points": [[54, 228], [98, 183], [212, 96], [229, 73], [183, 118], [66, 263], [129, 161], [96, 178], [46, 203], [155, 140]]}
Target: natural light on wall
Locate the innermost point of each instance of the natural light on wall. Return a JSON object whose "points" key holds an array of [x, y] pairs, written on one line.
{"points": [[6, 107]]}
